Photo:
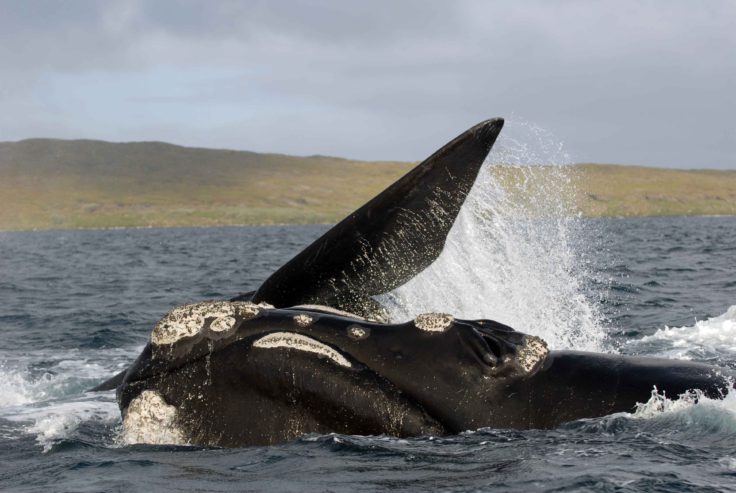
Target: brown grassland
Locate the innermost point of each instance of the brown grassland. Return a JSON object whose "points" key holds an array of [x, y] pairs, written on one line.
{"points": [[57, 184]]}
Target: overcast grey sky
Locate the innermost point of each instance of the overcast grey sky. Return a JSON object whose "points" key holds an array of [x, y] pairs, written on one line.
{"points": [[633, 82]]}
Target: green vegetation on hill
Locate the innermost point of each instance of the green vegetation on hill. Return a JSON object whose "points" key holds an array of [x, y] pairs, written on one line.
{"points": [[48, 183], [85, 184], [607, 190], [610, 190]]}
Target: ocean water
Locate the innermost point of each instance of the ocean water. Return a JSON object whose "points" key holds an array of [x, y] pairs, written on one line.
{"points": [[77, 307]]}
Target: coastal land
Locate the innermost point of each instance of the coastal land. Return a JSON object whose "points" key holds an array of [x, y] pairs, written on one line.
{"points": [[70, 184]]}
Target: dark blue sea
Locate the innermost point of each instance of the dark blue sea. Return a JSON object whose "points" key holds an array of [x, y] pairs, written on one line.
{"points": [[77, 306]]}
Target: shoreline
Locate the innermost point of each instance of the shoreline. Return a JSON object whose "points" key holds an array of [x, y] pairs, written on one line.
{"points": [[265, 225], [194, 226]]}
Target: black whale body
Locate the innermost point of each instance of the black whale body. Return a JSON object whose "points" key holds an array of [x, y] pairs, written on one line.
{"points": [[310, 351], [368, 378]]}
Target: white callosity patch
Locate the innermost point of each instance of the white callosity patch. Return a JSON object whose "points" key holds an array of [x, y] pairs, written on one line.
{"points": [[188, 320], [291, 340], [357, 332], [326, 309], [149, 419], [303, 320], [433, 322], [179, 323], [222, 324], [532, 352]]}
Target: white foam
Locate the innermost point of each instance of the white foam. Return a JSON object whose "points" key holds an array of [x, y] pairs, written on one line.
{"points": [[728, 462], [39, 402], [513, 254], [60, 420], [688, 410], [659, 404], [56, 420], [706, 338], [65, 372], [15, 389]]}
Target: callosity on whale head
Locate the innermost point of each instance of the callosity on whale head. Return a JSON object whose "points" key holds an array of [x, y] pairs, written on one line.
{"points": [[311, 350], [276, 374]]}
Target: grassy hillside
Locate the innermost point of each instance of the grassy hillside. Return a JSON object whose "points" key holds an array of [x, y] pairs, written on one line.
{"points": [[606, 190], [72, 184], [609, 190], [48, 183]]}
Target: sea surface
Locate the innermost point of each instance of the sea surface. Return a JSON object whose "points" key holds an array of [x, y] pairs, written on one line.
{"points": [[77, 306]]}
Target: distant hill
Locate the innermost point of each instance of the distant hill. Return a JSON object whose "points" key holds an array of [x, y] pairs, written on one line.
{"points": [[611, 190], [47, 183], [81, 184]]}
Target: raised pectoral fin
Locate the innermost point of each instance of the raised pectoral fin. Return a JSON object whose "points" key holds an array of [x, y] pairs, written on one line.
{"points": [[390, 239]]}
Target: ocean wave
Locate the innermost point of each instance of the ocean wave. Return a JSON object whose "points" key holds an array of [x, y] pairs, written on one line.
{"points": [[712, 340], [690, 408], [42, 393], [62, 420], [37, 376]]}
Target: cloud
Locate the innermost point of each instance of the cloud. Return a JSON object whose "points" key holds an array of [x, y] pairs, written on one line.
{"points": [[633, 82]]}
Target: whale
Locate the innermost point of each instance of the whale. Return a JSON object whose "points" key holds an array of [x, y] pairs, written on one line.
{"points": [[313, 351], [233, 374]]}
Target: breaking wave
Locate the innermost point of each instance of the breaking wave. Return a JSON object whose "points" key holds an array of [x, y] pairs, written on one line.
{"points": [[43, 394], [713, 340], [689, 407]]}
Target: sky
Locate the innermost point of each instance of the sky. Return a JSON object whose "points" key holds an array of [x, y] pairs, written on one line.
{"points": [[631, 82]]}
